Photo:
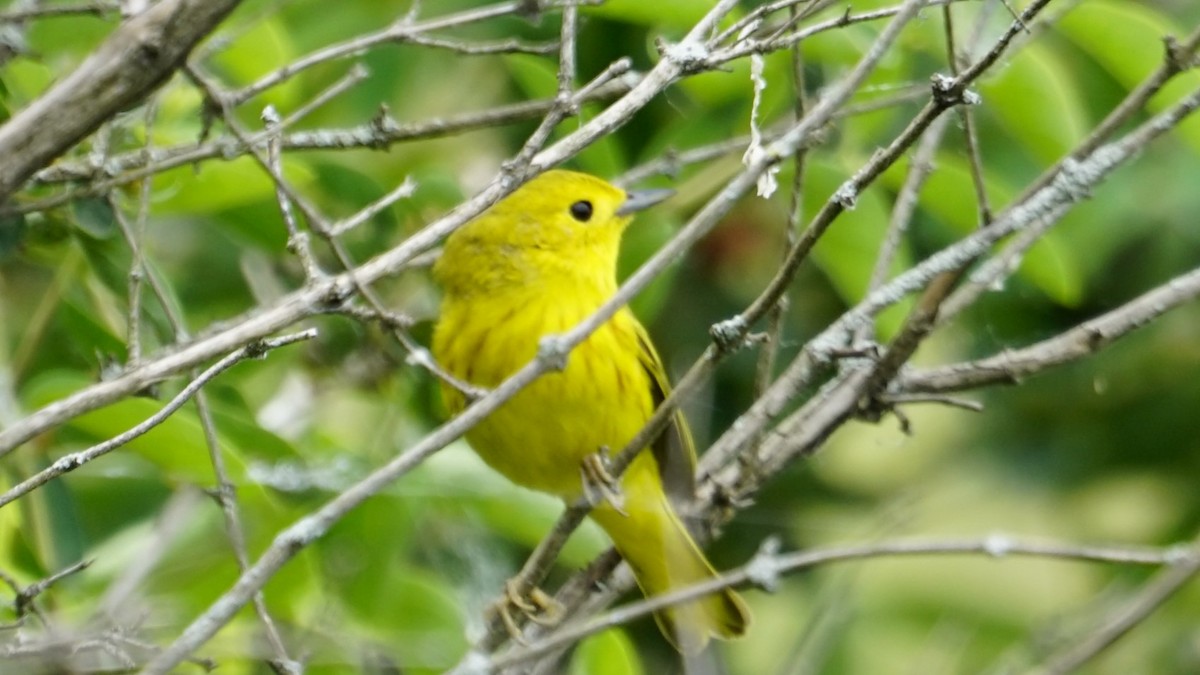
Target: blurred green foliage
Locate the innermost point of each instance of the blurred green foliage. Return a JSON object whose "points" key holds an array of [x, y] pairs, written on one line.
{"points": [[1105, 450]]}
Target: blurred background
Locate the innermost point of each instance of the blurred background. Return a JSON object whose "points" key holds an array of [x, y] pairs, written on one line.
{"points": [[1102, 451]]}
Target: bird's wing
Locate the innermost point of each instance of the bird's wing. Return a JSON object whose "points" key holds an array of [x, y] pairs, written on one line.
{"points": [[673, 449]]}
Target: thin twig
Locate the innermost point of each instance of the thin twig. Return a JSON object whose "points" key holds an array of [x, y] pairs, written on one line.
{"points": [[1184, 567], [74, 460], [1089, 337], [402, 31], [768, 567]]}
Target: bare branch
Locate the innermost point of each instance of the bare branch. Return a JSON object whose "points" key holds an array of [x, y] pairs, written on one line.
{"points": [[768, 567], [139, 56], [1184, 566], [1011, 367]]}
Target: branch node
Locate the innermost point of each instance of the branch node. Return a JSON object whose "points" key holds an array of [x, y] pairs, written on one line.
{"points": [[763, 569], [1178, 58], [1178, 554], [846, 195], [337, 294], [553, 351], [998, 545], [1075, 179], [690, 56], [729, 335], [947, 90], [257, 349]]}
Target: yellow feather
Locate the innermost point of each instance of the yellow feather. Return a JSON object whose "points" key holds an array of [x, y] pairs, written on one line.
{"points": [[532, 266]]}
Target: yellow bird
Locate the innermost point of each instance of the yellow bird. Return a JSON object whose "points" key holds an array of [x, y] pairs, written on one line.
{"points": [[535, 264]]}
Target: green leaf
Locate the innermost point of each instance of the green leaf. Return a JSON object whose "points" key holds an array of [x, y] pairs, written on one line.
{"points": [[1036, 101], [680, 14], [94, 217], [12, 233], [459, 477], [217, 186], [1052, 265], [255, 53], [536, 76], [608, 653], [176, 446], [1122, 37], [847, 251]]}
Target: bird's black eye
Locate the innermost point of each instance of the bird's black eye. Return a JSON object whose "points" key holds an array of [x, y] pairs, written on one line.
{"points": [[582, 210]]}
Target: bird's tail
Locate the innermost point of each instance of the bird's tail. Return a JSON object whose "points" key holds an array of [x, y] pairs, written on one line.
{"points": [[663, 557]]}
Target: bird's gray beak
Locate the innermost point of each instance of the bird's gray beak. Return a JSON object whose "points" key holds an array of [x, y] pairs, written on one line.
{"points": [[637, 200]]}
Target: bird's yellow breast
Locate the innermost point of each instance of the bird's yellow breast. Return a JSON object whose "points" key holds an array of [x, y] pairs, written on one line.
{"points": [[539, 437]]}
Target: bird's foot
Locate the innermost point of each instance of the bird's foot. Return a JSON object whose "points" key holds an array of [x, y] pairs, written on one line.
{"points": [[535, 605], [599, 485]]}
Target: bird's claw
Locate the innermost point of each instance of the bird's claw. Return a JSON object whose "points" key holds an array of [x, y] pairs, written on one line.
{"points": [[599, 485], [536, 605]]}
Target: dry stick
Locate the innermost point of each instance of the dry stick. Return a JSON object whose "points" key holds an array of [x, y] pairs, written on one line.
{"points": [[404, 190], [137, 269], [803, 431], [540, 562], [1153, 594], [297, 242], [776, 42], [563, 101], [956, 61], [759, 13], [316, 220], [509, 46], [226, 492], [1089, 337], [379, 134], [767, 568], [226, 496], [139, 56], [74, 460]]}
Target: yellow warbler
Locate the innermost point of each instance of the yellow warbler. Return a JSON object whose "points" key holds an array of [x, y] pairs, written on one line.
{"points": [[537, 263]]}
